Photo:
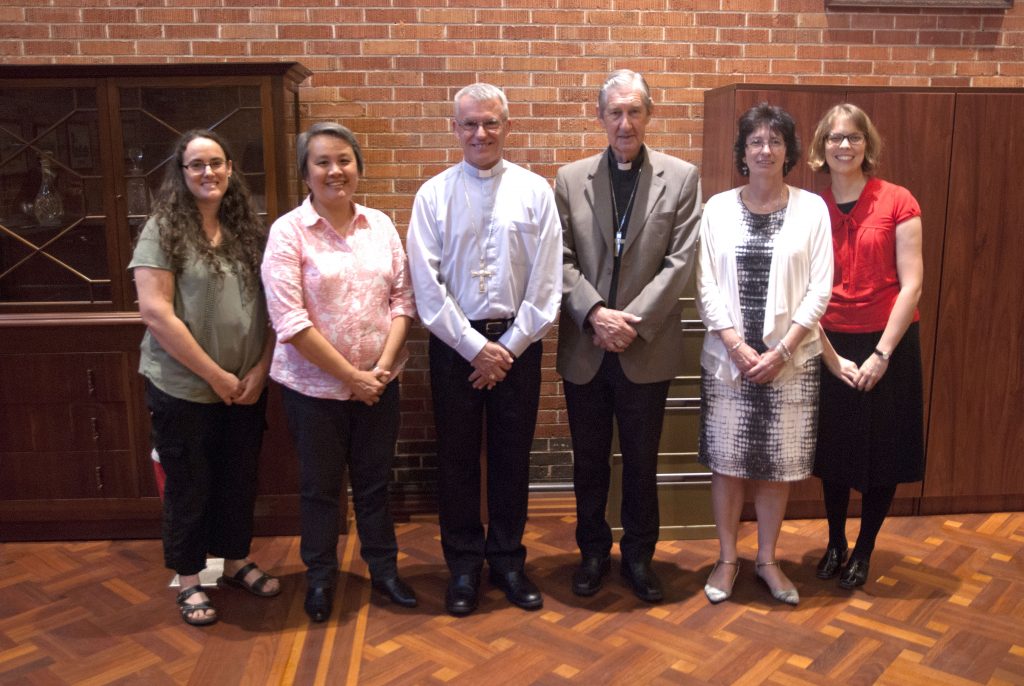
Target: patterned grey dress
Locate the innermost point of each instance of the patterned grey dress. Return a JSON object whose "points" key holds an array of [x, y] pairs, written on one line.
{"points": [[759, 431]]}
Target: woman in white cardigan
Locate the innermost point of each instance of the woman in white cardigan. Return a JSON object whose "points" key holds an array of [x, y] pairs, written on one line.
{"points": [[764, 280]]}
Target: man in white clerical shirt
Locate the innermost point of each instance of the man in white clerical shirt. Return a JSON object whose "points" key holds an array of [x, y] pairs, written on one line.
{"points": [[484, 249]]}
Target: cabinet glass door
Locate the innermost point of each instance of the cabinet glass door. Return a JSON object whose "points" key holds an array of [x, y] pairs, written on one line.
{"points": [[53, 227]]}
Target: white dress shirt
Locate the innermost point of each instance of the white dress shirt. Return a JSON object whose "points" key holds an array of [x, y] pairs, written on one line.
{"points": [[505, 214]]}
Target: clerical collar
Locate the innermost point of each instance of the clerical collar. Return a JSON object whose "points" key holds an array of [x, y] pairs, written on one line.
{"points": [[625, 166], [484, 173]]}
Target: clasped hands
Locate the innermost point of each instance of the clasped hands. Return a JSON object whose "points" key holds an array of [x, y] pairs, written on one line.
{"points": [[245, 391], [614, 330], [757, 368], [863, 377], [368, 386], [490, 365]]}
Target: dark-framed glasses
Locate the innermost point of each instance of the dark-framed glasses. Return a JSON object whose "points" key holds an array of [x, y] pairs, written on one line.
{"points": [[198, 166], [837, 139], [471, 126]]}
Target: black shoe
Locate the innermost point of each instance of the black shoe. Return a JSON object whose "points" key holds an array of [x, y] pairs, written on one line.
{"points": [[397, 590], [319, 600], [831, 562], [586, 580], [854, 574], [518, 589], [642, 580], [461, 596]]}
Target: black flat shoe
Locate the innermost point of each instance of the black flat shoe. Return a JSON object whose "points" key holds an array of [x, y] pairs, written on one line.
{"points": [[461, 597], [586, 580], [319, 600], [518, 588], [397, 590], [643, 581], [854, 574], [831, 562]]}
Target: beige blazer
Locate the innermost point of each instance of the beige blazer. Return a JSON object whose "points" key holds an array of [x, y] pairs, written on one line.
{"points": [[657, 258]]}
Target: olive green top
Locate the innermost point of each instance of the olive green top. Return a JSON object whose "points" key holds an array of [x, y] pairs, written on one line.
{"points": [[226, 321]]}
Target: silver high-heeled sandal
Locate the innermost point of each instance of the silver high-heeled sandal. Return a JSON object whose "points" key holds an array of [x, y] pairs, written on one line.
{"points": [[789, 596], [717, 595]]}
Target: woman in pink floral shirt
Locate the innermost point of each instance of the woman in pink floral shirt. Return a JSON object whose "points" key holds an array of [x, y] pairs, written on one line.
{"points": [[339, 297]]}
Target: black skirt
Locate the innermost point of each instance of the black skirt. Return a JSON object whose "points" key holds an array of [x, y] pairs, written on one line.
{"points": [[866, 440]]}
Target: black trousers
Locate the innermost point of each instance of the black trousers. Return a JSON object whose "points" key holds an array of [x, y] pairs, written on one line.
{"points": [[510, 409], [639, 410], [328, 434], [210, 454]]}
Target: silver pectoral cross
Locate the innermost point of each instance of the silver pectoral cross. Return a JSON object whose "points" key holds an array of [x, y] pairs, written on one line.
{"points": [[483, 274]]}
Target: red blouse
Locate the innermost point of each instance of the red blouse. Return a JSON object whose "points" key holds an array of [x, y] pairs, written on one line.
{"points": [[865, 283]]}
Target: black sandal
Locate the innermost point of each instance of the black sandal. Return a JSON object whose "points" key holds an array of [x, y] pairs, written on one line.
{"points": [[187, 609], [256, 588]]}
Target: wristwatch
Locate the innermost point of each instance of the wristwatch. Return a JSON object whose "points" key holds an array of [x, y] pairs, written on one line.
{"points": [[884, 356]]}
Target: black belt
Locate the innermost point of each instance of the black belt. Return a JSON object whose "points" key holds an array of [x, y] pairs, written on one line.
{"points": [[491, 328]]}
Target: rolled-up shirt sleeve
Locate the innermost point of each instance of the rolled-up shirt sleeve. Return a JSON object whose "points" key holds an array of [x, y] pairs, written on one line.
{"points": [[282, 280]]}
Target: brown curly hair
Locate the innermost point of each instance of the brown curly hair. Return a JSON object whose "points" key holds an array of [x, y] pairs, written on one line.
{"points": [[243, 232]]}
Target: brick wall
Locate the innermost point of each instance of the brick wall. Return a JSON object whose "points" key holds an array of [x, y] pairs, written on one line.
{"points": [[388, 69]]}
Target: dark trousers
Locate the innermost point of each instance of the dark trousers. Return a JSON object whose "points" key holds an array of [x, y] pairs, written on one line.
{"points": [[510, 409], [328, 434], [210, 454], [639, 410]]}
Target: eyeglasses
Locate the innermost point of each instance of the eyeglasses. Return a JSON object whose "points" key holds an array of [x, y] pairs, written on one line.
{"points": [[837, 139], [199, 167], [757, 144], [470, 126]]}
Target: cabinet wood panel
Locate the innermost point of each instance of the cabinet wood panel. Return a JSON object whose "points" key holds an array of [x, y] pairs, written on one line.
{"points": [[66, 475], [976, 437]]}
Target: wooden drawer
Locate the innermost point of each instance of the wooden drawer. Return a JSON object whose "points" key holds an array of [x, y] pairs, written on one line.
{"points": [[67, 475], [63, 378], [75, 426]]}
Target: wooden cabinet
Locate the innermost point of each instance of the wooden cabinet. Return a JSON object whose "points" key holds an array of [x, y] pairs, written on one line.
{"points": [[83, 150], [954, 149]]}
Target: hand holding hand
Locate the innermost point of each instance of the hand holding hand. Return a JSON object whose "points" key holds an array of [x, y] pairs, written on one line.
{"points": [[490, 365], [613, 329], [871, 372], [366, 387], [251, 386], [767, 368], [226, 385]]}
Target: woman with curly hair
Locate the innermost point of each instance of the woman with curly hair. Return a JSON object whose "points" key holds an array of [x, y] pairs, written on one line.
{"points": [[205, 356]]}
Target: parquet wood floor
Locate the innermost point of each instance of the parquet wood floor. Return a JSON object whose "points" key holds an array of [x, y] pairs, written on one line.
{"points": [[944, 606]]}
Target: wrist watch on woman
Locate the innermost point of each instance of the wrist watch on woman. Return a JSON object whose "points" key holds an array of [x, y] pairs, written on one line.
{"points": [[885, 356]]}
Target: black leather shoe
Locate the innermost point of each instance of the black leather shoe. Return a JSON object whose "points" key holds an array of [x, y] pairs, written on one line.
{"points": [[518, 589], [397, 590], [854, 574], [831, 562], [642, 580], [586, 580], [461, 596], [319, 600]]}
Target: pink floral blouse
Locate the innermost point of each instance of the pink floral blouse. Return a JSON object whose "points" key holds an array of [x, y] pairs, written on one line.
{"points": [[348, 288]]}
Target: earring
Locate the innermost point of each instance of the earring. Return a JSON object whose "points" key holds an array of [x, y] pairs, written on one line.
{"points": [[744, 169]]}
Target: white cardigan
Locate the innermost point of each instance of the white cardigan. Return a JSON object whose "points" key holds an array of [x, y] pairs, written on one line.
{"points": [[799, 280]]}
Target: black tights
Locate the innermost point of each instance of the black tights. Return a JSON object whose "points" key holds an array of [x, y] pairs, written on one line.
{"points": [[874, 507]]}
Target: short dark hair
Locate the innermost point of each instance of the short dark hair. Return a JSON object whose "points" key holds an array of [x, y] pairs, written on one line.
{"points": [[326, 128], [778, 121]]}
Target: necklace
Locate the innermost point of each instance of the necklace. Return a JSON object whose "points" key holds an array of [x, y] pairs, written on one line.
{"points": [[482, 272], [620, 220], [772, 205]]}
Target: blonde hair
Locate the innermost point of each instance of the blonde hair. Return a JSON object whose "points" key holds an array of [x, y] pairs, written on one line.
{"points": [[872, 141]]}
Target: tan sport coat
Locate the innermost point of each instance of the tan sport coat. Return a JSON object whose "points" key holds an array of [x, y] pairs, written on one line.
{"points": [[657, 258]]}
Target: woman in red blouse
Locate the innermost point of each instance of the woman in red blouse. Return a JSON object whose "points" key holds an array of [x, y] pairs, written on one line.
{"points": [[870, 427]]}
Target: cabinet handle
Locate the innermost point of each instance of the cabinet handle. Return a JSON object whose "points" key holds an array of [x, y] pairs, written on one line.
{"points": [[90, 380], [99, 478], [95, 428]]}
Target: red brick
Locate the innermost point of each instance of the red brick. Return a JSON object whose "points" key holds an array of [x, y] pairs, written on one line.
{"points": [[109, 16], [43, 15], [27, 32], [191, 31], [249, 31], [107, 47], [164, 47], [164, 15], [221, 16]]}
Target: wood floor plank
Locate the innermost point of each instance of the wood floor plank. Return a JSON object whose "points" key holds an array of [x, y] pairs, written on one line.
{"points": [[944, 605]]}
